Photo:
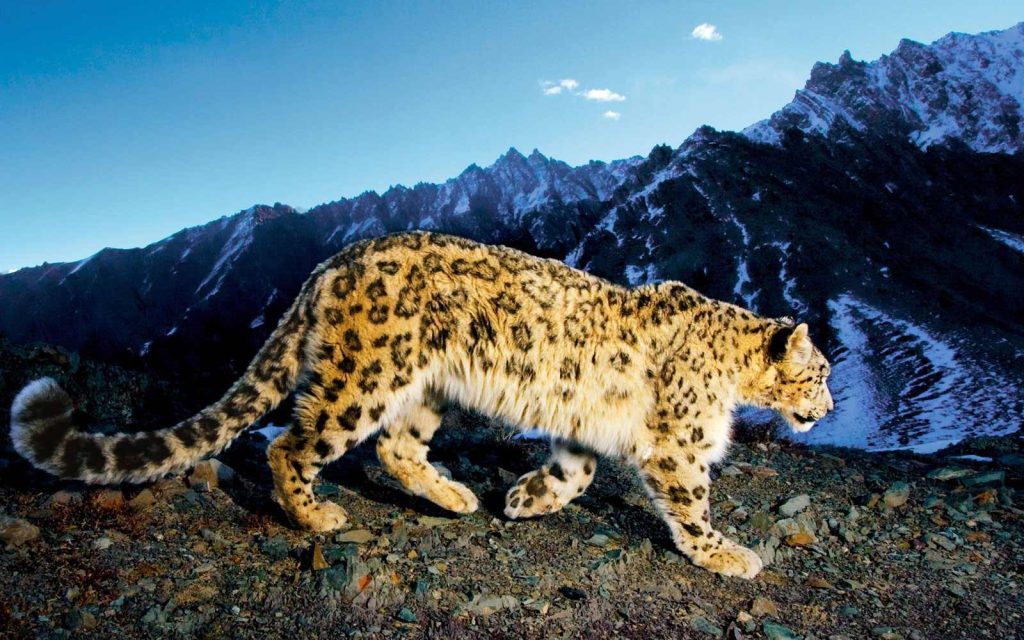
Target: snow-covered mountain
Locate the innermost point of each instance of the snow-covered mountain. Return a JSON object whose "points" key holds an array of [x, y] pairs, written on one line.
{"points": [[884, 205], [967, 88], [482, 202], [521, 184]]}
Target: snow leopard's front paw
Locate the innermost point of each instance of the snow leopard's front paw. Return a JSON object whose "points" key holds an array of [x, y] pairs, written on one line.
{"points": [[454, 496], [535, 494], [322, 517], [730, 559]]}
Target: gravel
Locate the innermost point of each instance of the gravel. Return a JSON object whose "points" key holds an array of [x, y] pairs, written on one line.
{"points": [[843, 558]]}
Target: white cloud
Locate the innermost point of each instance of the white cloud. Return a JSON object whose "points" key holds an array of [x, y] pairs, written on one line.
{"points": [[707, 32], [554, 88], [603, 95], [612, 115]]}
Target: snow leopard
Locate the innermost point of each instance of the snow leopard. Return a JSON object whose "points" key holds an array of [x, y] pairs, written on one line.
{"points": [[386, 332]]}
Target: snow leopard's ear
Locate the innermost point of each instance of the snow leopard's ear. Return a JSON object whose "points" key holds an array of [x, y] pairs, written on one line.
{"points": [[791, 344]]}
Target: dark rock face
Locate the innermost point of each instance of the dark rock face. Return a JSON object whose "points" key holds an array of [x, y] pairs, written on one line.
{"points": [[892, 230]]}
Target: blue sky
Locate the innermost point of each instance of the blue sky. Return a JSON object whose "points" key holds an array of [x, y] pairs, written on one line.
{"points": [[122, 122]]}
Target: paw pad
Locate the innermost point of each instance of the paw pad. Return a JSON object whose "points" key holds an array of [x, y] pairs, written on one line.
{"points": [[535, 494]]}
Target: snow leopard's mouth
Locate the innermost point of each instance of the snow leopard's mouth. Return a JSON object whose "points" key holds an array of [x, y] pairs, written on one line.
{"points": [[801, 423]]}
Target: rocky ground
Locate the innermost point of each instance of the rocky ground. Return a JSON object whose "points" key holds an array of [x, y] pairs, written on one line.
{"points": [[856, 545]]}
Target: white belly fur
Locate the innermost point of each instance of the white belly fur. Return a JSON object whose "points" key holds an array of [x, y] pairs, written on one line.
{"points": [[603, 413]]}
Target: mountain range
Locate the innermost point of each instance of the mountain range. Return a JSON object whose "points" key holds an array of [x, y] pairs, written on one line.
{"points": [[884, 205]]}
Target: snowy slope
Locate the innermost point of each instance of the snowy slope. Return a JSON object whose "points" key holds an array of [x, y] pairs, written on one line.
{"points": [[920, 392]]}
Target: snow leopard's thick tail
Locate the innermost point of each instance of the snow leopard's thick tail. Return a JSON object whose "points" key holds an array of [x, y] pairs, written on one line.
{"points": [[42, 429]]}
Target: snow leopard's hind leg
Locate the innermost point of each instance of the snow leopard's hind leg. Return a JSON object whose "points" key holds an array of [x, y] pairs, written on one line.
{"points": [[566, 475], [295, 466], [402, 449], [324, 429]]}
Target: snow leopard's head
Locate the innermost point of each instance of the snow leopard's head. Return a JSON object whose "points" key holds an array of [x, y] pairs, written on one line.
{"points": [[794, 382]]}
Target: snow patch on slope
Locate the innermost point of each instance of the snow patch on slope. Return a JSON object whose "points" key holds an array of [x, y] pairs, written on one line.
{"points": [[788, 283], [260, 319], [1013, 240], [78, 266], [742, 282], [641, 275], [241, 237]]}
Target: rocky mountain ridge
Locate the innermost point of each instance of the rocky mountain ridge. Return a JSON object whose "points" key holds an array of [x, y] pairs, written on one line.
{"points": [[963, 88]]}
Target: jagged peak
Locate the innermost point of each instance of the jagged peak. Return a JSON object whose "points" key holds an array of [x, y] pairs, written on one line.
{"points": [[906, 44], [511, 155], [471, 169], [514, 161], [261, 213], [700, 135]]}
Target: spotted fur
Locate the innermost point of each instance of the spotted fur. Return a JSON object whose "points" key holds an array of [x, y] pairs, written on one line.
{"points": [[387, 330]]}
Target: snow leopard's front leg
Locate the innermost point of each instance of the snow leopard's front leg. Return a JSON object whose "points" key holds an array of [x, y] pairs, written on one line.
{"points": [[566, 475], [679, 483]]}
